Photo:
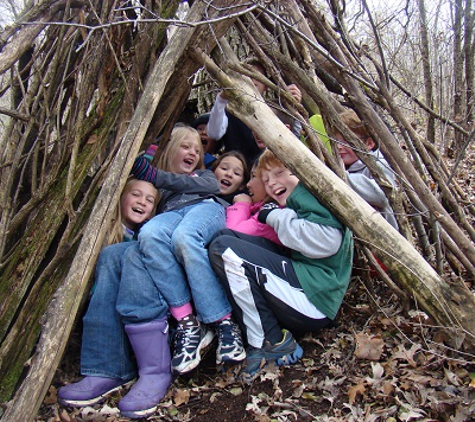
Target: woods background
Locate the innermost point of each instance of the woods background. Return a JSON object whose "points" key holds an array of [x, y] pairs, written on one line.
{"points": [[86, 85]]}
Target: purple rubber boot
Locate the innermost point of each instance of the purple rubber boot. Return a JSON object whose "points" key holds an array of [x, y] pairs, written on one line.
{"points": [[90, 390], [152, 352]]}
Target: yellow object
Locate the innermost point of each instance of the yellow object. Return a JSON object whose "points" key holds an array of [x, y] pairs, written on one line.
{"points": [[316, 122]]}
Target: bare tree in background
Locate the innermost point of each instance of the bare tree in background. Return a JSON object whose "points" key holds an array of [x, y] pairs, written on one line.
{"points": [[92, 86]]}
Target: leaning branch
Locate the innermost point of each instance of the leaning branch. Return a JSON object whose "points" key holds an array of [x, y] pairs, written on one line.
{"points": [[449, 305]]}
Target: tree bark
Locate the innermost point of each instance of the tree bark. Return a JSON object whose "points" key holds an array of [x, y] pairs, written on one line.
{"points": [[457, 10], [449, 305], [425, 53], [63, 309]]}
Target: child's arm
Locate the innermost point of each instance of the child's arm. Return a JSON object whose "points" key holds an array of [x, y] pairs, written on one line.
{"points": [[368, 189], [236, 214], [201, 182], [365, 186], [311, 239], [242, 217], [218, 121]]}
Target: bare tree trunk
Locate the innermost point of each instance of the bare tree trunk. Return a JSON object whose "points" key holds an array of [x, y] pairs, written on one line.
{"points": [[426, 57], [469, 52], [458, 74]]}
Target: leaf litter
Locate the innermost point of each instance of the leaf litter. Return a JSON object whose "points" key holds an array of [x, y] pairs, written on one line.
{"points": [[381, 365]]}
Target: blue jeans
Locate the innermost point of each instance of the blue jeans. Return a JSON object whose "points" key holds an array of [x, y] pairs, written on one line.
{"points": [[105, 348], [173, 255]]}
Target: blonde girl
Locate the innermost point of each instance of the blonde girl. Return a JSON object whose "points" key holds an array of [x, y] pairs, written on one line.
{"points": [[137, 204]]}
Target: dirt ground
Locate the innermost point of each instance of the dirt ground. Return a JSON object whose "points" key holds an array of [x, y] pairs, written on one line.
{"points": [[380, 364]]}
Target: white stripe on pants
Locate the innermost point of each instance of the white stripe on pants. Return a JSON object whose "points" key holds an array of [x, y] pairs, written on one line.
{"points": [[276, 286]]}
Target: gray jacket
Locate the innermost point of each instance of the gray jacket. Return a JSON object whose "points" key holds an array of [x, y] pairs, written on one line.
{"points": [[180, 190], [362, 182]]}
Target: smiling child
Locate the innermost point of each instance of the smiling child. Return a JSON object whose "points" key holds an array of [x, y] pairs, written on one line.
{"points": [[272, 293]]}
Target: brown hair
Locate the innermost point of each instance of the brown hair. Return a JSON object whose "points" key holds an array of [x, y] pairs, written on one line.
{"points": [[283, 116], [256, 64], [240, 157], [351, 119]]}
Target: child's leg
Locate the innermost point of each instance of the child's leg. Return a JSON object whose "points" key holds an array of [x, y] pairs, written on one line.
{"points": [[105, 349], [189, 241], [138, 300], [263, 289], [198, 227], [159, 261], [106, 359]]}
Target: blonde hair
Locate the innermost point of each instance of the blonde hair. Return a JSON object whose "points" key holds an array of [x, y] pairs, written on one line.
{"points": [[179, 134], [117, 230]]}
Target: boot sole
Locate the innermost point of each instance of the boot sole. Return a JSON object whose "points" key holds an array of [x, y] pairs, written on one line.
{"points": [[91, 401], [137, 414]]}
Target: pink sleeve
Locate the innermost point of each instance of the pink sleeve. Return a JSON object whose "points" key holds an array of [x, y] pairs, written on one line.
{"points": [[237, 213], [239, 218]]}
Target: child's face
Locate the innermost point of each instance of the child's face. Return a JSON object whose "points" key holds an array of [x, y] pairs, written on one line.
{"points": [[187, 156], [137, 203], [230, 175], [256, 188], [259, 86], [279, 183], [209, 144], [260, 143], [347, 153]]}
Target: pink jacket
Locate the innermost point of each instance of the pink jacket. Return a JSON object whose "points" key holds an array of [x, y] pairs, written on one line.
{"points": [[242, 217]]}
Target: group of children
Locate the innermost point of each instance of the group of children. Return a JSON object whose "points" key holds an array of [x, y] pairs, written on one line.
{"points": [[246, 257]]}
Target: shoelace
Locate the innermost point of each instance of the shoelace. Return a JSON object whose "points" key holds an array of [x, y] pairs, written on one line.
{"points": [[224, 332], [181, 337]]}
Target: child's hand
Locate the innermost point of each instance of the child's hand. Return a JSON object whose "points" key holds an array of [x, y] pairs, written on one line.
{"points": [[295, 92], [222, 94], [242, 197], [266, 210]]}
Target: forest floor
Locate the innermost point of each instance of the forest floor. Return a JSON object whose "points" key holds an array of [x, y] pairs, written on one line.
{"points": [[382, 363]]}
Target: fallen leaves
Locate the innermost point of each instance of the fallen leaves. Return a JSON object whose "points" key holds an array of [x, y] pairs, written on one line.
{"points": [[385, 366], [369, 346], [181, 396], [407, 355], [356, 391]]}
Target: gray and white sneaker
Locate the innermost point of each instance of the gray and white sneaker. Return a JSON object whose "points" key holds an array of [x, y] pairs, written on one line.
{"points": [[230, 347], [188, 342]]}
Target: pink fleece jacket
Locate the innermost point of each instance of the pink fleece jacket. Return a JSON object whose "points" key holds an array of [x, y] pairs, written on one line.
{"points": [[242, 217]]}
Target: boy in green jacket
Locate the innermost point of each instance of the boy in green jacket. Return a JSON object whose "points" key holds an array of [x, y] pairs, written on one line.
{"points": [[272, 292]]}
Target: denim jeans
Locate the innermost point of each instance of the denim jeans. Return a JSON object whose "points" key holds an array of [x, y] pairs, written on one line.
{"points": [[173, 255], [105, 348]]}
